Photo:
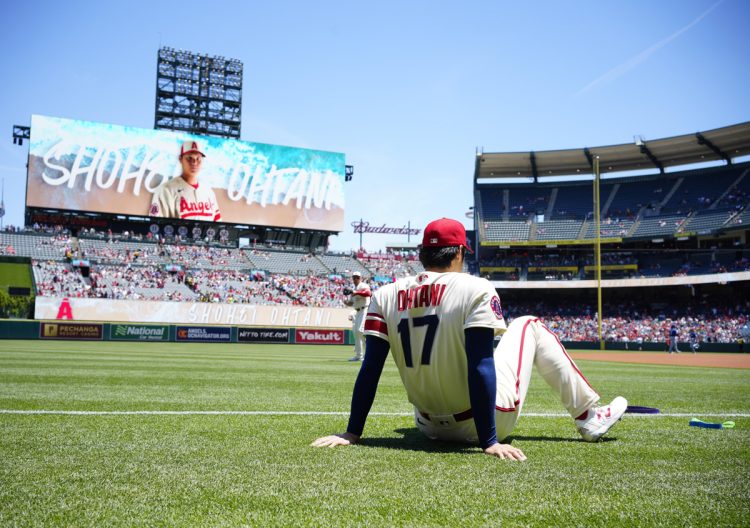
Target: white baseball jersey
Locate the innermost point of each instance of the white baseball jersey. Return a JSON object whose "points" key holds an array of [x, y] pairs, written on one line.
{"points": [[361, 295], [423, 319], [178, 199]]}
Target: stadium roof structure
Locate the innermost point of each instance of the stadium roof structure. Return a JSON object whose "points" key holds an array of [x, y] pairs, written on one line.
{"points": [[718, 144]]}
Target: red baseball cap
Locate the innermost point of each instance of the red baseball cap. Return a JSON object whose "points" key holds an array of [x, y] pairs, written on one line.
{"points": [[191, 146], [445, 233]]}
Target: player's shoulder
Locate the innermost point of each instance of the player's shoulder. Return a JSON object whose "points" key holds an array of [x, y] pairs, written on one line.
{"points": [[172, 183]]}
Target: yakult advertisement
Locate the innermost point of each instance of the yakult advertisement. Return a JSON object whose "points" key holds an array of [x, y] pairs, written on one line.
{"points": [[85, 166]]}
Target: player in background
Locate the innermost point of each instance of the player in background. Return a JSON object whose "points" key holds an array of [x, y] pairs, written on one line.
{"points": [[694, 345], [439, 327], [359, 299], [673, 340], [185, 197]]}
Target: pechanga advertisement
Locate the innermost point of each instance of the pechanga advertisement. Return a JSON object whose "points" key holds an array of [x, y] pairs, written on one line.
{"points": [[85, 166]]}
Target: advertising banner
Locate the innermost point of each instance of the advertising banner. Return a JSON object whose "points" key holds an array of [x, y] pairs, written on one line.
{"points": [[192, 313], [263, 335], [71, 331], [204, 334], [85, 166], [319, 337], [122, 332]]}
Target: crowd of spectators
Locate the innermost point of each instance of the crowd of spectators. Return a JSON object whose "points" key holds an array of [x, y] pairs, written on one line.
{"points": [[212, 256], [638, 323], [149, 283], [723, 329], [55, 278], [614, 227], [311, 290], [388, 264], [206, 274]]}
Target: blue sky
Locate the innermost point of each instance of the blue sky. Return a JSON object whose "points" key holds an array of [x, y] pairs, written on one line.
{"points": [[407, 90]]}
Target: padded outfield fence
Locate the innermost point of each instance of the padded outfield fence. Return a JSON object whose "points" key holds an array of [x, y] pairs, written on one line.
{"points": [[162, 333]]}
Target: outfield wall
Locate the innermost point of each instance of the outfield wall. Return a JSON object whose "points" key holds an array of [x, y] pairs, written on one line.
{"points": [[160, 333]]}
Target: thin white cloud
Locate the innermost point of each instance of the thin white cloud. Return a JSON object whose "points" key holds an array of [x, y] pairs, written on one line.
{"points": [[634, 61]]}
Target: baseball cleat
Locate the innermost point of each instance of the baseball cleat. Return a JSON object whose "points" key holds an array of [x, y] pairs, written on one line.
{"points": [[601, 419], [355, 358]]}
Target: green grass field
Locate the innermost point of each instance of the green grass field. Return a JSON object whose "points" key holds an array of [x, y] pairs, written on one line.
{"points": [[258, 469]]}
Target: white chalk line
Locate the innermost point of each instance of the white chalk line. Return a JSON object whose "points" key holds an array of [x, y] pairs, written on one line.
{"points": [[319, 413]]}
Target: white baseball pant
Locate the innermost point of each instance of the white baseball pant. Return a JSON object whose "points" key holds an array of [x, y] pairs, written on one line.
{"points": [[526, 342], [358, 327]]}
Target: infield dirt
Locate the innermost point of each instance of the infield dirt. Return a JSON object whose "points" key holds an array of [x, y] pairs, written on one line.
{"points": [[684, 359]]}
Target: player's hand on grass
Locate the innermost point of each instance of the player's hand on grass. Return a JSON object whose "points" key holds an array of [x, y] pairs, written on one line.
{"points": [[342, 439], [505, 451]]}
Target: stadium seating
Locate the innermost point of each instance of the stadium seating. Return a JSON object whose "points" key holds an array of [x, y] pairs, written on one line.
{"points": [[286, 262], [609, 228], [343, 264], [658, 226], [704, 222], [38, 246], [491, 204], [105, 252], [699, 190], [558, 230], [498, 231], [574, 201], [524, 201], [633, 195]]}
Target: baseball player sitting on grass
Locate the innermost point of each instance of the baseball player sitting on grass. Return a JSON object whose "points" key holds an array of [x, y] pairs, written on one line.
{"points": [[440, 327]]}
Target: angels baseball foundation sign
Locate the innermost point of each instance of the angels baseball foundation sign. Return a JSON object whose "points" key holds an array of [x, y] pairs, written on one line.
{"points": [[204, 334]]}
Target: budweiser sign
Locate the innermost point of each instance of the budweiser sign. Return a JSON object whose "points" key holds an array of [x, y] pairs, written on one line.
{"points": [[320, 337], [365, 227]]}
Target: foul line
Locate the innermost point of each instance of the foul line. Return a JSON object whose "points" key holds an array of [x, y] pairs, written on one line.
{"points": [[321, 413]]}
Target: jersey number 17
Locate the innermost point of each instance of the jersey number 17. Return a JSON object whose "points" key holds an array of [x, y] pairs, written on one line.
{"points": [[431, 322]]}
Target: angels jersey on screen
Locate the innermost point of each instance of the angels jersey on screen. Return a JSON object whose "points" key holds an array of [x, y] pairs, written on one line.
{"points": [[178, 199], [423, 319]]}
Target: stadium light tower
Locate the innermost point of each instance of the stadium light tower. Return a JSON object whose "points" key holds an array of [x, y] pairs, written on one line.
{"points": [[196, 93]]}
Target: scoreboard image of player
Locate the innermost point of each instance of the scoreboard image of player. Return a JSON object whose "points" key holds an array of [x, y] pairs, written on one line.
{"points": [[103, 168]]}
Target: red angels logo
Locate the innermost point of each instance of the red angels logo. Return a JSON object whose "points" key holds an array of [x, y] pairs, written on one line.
{"points": [[65, 311], [196, 208], [497, 308]]}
